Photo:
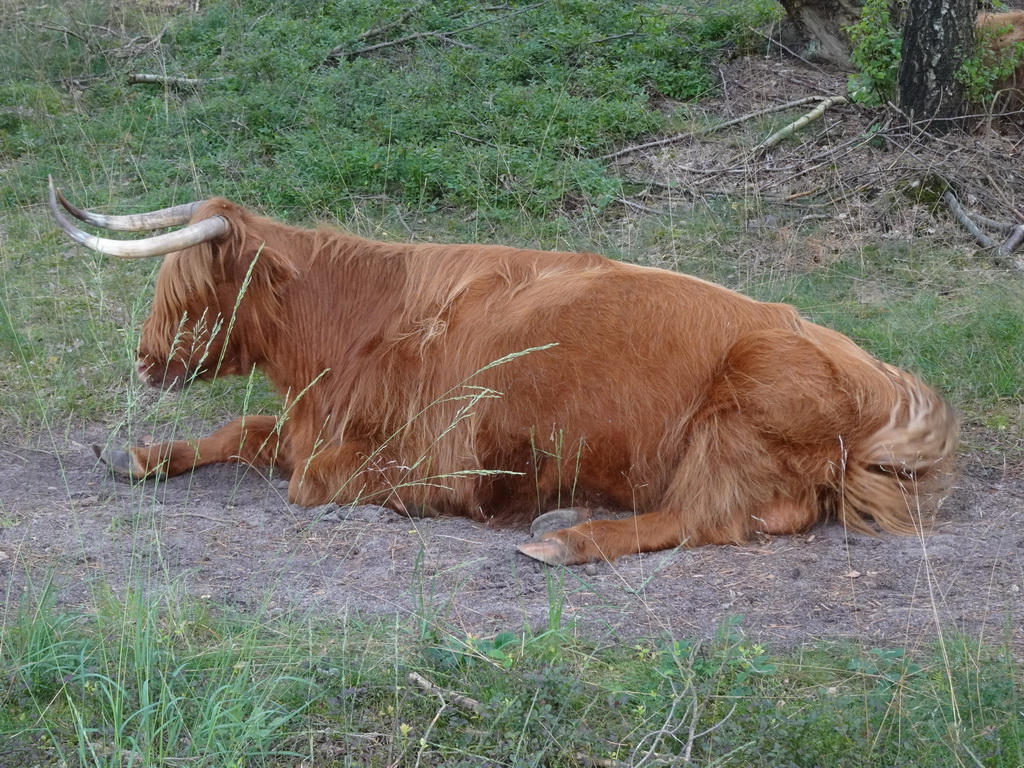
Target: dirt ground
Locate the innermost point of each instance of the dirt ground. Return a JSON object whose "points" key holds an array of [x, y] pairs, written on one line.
{"points": [[233, 538], [230, 534]]}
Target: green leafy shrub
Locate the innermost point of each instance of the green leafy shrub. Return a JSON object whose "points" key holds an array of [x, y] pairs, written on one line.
{"points": [[983, 73], [876, 54]]}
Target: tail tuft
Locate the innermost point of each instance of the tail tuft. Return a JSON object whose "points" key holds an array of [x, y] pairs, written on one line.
{"points": [[898, 475]]}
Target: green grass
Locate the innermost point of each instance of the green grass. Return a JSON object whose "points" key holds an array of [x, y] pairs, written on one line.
{"points": [[143, 682], [507, 124], [496, 143]]}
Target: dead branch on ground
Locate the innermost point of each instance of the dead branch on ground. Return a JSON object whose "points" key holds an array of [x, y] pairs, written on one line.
{"points": [[463, 702], [1003, 253], [139, 78], [694, 134], [796, 125], [378, 31], [445, 37]]}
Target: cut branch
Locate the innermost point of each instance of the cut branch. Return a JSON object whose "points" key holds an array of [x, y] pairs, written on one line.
{"points": [[463, 702], [961, 215], [998, 226], [712, 129], [796, 125], [1013, 241], [766, 111], [138, 78]]}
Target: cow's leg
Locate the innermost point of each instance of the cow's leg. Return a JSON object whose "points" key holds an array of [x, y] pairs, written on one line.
{"points": [[251, 440], [353, 473], [780, 517], [608, 539], [767, 441], [723, 481]]}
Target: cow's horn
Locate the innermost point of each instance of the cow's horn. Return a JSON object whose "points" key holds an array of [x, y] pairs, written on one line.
{"points": [[138, 222], [158, 245]]}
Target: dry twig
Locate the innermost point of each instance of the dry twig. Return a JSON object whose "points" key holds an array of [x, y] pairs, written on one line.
{"points": [[445, 37], [378, 31], [712, 129], [765, 111]]}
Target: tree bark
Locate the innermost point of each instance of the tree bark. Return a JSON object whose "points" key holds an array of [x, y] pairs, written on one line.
{"points": [[937, 37], [816, 29]]}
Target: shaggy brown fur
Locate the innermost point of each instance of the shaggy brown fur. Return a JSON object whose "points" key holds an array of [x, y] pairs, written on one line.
{"points": [[499, 383]]}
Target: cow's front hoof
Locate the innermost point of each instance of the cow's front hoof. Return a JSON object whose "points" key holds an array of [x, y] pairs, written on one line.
{"points": [[551, 550], [121, 464]]}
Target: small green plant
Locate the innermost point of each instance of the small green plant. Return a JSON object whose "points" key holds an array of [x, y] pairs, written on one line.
{"points": [[876, 53], [730, 661], [889, 666], [468, 650], [982, 73]]}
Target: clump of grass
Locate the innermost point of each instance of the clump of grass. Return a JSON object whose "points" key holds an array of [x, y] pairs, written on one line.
{"points": [[143, 681], [148, 682]]}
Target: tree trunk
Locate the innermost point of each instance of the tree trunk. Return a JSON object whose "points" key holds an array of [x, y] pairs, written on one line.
{"points": [[816, 29], [937, 37]]}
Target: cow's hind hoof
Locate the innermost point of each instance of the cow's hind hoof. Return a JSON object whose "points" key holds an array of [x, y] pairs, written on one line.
{"points": [[551, 551], [556, 520], [120, 464]]}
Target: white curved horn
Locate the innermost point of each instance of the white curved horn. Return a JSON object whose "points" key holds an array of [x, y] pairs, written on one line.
{"points": [[158, 245], [136, 222]]}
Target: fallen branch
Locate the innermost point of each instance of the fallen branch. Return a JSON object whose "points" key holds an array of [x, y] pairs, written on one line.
{"points": [[961, 215], [138, 78], [998, 226], [63, 30], [1014, 240], [796, 125], [766, 111], [712, 129], [138, 45], [337, 54], [378, 31], [463, 702], [1003, 253]]}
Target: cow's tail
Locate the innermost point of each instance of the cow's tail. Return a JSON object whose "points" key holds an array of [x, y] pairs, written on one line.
{"points": [[897, 475]]}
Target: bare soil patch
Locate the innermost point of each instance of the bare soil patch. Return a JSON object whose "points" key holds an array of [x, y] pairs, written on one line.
{"points": [[231, 536]]}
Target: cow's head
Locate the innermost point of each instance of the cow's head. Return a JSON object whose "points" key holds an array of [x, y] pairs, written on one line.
{"points": [[216, 292]]}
